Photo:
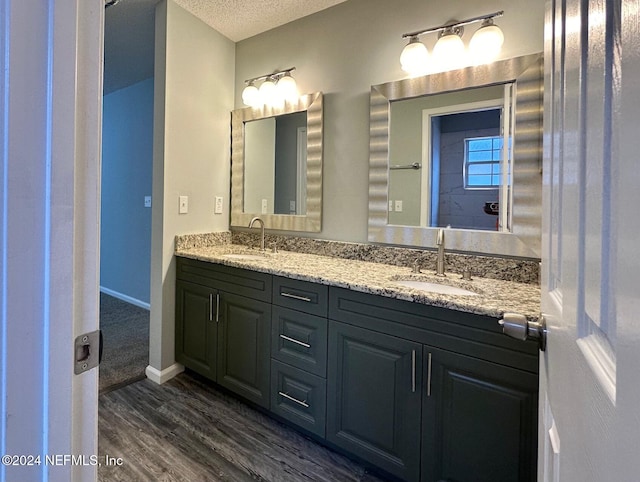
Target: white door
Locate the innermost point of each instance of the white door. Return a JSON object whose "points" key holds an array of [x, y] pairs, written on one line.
{"points": [[590, 373], [50, 128]]}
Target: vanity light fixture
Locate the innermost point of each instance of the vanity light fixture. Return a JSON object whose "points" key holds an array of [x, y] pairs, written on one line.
{"points": [[276, 88], [449, 51]]}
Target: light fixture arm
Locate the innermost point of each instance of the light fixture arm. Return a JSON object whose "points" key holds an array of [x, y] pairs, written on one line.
{"points": [[455, 24], [273, 76]]}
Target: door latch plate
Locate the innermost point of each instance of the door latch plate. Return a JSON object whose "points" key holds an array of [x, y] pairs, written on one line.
{"points": [[87, 352]]}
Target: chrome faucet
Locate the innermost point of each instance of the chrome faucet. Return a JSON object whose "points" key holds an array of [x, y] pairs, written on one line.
{"points": [[257, 219], [440, 260]]}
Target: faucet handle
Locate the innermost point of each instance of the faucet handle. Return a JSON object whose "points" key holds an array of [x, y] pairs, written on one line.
{"points": [[416, 266], [274, 247]]}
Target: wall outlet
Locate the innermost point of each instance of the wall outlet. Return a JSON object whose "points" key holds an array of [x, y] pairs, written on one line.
{"points": [[218, 206], [183, 204], [147, 201], [390, 206], [265, 206], [292, 206], [399, 205]]}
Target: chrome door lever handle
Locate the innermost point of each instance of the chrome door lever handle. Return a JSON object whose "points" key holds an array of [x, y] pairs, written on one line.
{"points": [[517, 326]]}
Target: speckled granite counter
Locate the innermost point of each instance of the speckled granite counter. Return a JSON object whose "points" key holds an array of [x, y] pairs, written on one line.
{"points": [[494, 297]]}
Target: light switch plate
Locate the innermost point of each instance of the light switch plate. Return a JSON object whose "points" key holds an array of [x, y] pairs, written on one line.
{"points": [[265, 206], [218, 207], [390, 206], [183, 204]]}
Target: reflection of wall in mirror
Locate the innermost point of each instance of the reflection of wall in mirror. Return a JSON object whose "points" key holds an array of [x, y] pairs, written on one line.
{"points": [[287, 160], [259, 162]]}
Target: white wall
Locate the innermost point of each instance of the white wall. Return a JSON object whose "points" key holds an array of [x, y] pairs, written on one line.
{"points": [[194, 74], [344, 50], [127, 162]]}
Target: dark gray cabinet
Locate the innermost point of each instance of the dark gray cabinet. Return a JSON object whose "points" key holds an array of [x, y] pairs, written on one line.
{"points": [[243, 347], [424, 393], [196, 329], [299, 353], [479, 420], [223, 326], [478, 398], [374, 398]]}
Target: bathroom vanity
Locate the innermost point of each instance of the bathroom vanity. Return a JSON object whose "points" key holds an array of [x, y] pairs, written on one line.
{"points": [[421, 385]]}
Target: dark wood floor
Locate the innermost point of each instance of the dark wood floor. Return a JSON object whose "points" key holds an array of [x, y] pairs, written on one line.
{"points": [[186, 430]]}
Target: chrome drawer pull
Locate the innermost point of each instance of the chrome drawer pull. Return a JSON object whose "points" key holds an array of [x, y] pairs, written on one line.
{"points": [[293, 340], [296, 297], [289, 397]]}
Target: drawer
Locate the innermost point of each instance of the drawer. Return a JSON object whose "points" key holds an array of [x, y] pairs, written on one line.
{"points": [[299, 397], [243, 282], [300, 295], [299, 339]]}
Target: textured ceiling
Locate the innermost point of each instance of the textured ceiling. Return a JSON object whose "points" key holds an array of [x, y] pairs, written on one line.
{"points": [[130, 24], [241, 19]]}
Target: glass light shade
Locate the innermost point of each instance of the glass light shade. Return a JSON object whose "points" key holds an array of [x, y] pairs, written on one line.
{"points": [[486, 43], [449, 45], [414, 58], [287, 88], [268, 92], [251, 96]]}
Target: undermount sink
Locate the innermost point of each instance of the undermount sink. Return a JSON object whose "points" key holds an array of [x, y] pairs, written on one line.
{"points": [[246, 256], [435, 287]]}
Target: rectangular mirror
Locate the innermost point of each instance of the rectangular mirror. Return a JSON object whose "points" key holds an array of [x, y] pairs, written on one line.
{"points": [[276, 165], [459, 150]]}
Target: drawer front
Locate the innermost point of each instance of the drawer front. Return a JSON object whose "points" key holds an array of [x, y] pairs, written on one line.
{"points": [[300, 295], [243, 282], [299, 397], [299, 339]]}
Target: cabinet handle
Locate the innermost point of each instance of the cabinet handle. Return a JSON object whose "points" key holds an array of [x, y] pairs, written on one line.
{"points": [[429, 375], [413, 371], [293, 340], [217, 307], [289, 397], [210, 306], [296, 297]]}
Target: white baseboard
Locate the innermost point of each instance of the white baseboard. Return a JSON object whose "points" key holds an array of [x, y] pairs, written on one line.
{"points": [[123, 297], [165, 375]]}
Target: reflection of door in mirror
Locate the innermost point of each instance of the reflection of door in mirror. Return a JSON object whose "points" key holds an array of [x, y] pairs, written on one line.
{"points": [[272, 151], [449, 165]]}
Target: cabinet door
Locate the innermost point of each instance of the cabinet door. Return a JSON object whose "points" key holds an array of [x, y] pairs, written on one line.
{"points": [[479, 420], [244, 364], [196, 331], [373, 403]]}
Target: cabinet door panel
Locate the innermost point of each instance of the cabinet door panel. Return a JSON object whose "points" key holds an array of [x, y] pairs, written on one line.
{"points": [[195, 328], [479, 422], [373, 410], [244, 347]]}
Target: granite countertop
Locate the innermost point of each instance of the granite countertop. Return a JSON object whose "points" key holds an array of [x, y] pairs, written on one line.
{"points": [[494, 297]]}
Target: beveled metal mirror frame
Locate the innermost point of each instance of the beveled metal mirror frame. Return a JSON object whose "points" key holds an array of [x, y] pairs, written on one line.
{"points": [[525, 236], [312, 220]]}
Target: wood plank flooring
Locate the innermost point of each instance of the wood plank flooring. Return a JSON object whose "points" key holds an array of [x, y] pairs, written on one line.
{"points": [[186, 430]]}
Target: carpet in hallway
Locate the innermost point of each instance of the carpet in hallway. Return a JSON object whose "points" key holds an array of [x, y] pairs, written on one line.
{"points": [[125, 332]]}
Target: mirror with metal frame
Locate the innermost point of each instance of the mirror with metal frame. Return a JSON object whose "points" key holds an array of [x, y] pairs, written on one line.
{"points": [[497, 105], [276, 165]]}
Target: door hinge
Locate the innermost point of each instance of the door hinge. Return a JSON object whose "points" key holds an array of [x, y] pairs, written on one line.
{"points": [[87, 351]]}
